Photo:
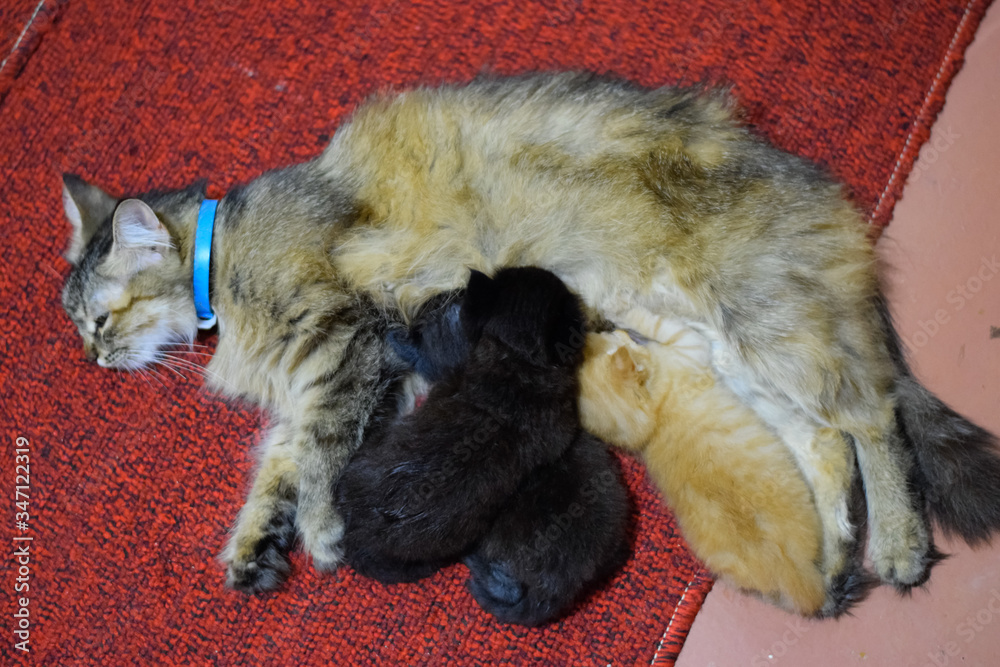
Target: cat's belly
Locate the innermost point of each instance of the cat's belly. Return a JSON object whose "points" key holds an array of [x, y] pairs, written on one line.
{"points": [[612, 270]]}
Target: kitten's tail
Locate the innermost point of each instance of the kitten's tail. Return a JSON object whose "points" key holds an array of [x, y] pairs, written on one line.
{"points": [[958, 462]]}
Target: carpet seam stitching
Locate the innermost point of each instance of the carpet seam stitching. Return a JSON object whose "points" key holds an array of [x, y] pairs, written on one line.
{"points": [[948, 57], [20, 37], [670, 623]]}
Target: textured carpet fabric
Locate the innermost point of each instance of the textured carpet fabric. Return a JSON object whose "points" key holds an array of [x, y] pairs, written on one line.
{"points": [[134, 480]]}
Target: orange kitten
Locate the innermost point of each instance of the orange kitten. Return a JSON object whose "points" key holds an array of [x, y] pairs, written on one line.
{"points": [[738, 496]]}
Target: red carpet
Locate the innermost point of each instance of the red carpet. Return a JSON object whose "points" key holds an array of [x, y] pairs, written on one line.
{"points": [[133, 482]]}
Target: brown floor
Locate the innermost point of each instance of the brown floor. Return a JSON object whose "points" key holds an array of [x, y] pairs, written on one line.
{"points": [[941, 251]]}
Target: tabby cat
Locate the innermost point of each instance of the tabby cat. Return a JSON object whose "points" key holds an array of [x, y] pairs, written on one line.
{"points": [[735, 489], [651, 199]]}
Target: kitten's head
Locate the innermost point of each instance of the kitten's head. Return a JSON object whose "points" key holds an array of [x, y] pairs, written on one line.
{"points": [[528, 309], [615, 400], [435, 342], [129, 293]]}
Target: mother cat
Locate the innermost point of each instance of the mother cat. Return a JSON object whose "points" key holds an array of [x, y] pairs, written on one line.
{"points": [[649, 199]]}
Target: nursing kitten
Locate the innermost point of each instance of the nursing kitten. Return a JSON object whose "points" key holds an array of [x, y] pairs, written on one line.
{"points": [[564, 531], [739, 498], [651, 199], [494, 466]]}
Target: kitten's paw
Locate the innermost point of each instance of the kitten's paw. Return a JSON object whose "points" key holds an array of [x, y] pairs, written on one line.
{"points": [[321, 538], [904, 557]]}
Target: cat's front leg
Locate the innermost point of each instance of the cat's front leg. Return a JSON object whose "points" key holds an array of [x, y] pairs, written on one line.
{"points": [[256, 556], [335, 397], [322, 454]]}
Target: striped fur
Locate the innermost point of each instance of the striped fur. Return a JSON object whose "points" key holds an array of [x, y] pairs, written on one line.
{"points": [[656, 200]]}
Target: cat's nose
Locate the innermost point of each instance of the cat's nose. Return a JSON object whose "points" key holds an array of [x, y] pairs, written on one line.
{"points": [[91, 352]]}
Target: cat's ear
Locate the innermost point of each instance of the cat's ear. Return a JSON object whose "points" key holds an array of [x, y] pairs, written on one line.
{"points": [[140, 239], [86, 206]]}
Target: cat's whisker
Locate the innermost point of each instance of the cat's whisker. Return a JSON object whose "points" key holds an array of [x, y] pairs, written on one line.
{"points": [[132, 373], [155, 374], [178, 369], [148, 377], [182, 346], [195, 352], [187, 364], [51, 269], [181, 361], [174, 342], [175, 364], [141, 369], [140, 375], [172, 369], [199, 346]]}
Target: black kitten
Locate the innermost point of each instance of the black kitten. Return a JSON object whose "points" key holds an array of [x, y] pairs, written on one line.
{"points": [[564, 529], [438, 323], [494, 466]]}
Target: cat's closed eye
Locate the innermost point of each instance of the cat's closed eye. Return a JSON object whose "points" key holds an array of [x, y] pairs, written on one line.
{"points": [[100, 321]]}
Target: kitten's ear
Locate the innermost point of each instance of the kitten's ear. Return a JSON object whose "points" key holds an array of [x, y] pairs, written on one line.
{"points": [[403, 345], [622, 361], [478, 302], [626, 366], [86, 206], [140, 239], [480, 286]]}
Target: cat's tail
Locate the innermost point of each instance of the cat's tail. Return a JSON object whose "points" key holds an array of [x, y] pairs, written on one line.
{"points": [[958, 464]]}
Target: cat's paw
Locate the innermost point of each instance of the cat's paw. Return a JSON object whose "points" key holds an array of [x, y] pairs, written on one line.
{"points": [[321, 538], [256, 566], [847, 589], [904, 557]]}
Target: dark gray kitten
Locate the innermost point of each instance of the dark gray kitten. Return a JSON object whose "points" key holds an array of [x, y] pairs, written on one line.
{"points": [[495, 466]]}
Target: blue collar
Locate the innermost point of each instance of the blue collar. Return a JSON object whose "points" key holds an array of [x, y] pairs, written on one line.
{"points": [[203, 262]]}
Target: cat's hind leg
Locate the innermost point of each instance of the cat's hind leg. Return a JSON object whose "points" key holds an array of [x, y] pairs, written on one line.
{"points": [[826, 459], [899, 542], [827, 463]]}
